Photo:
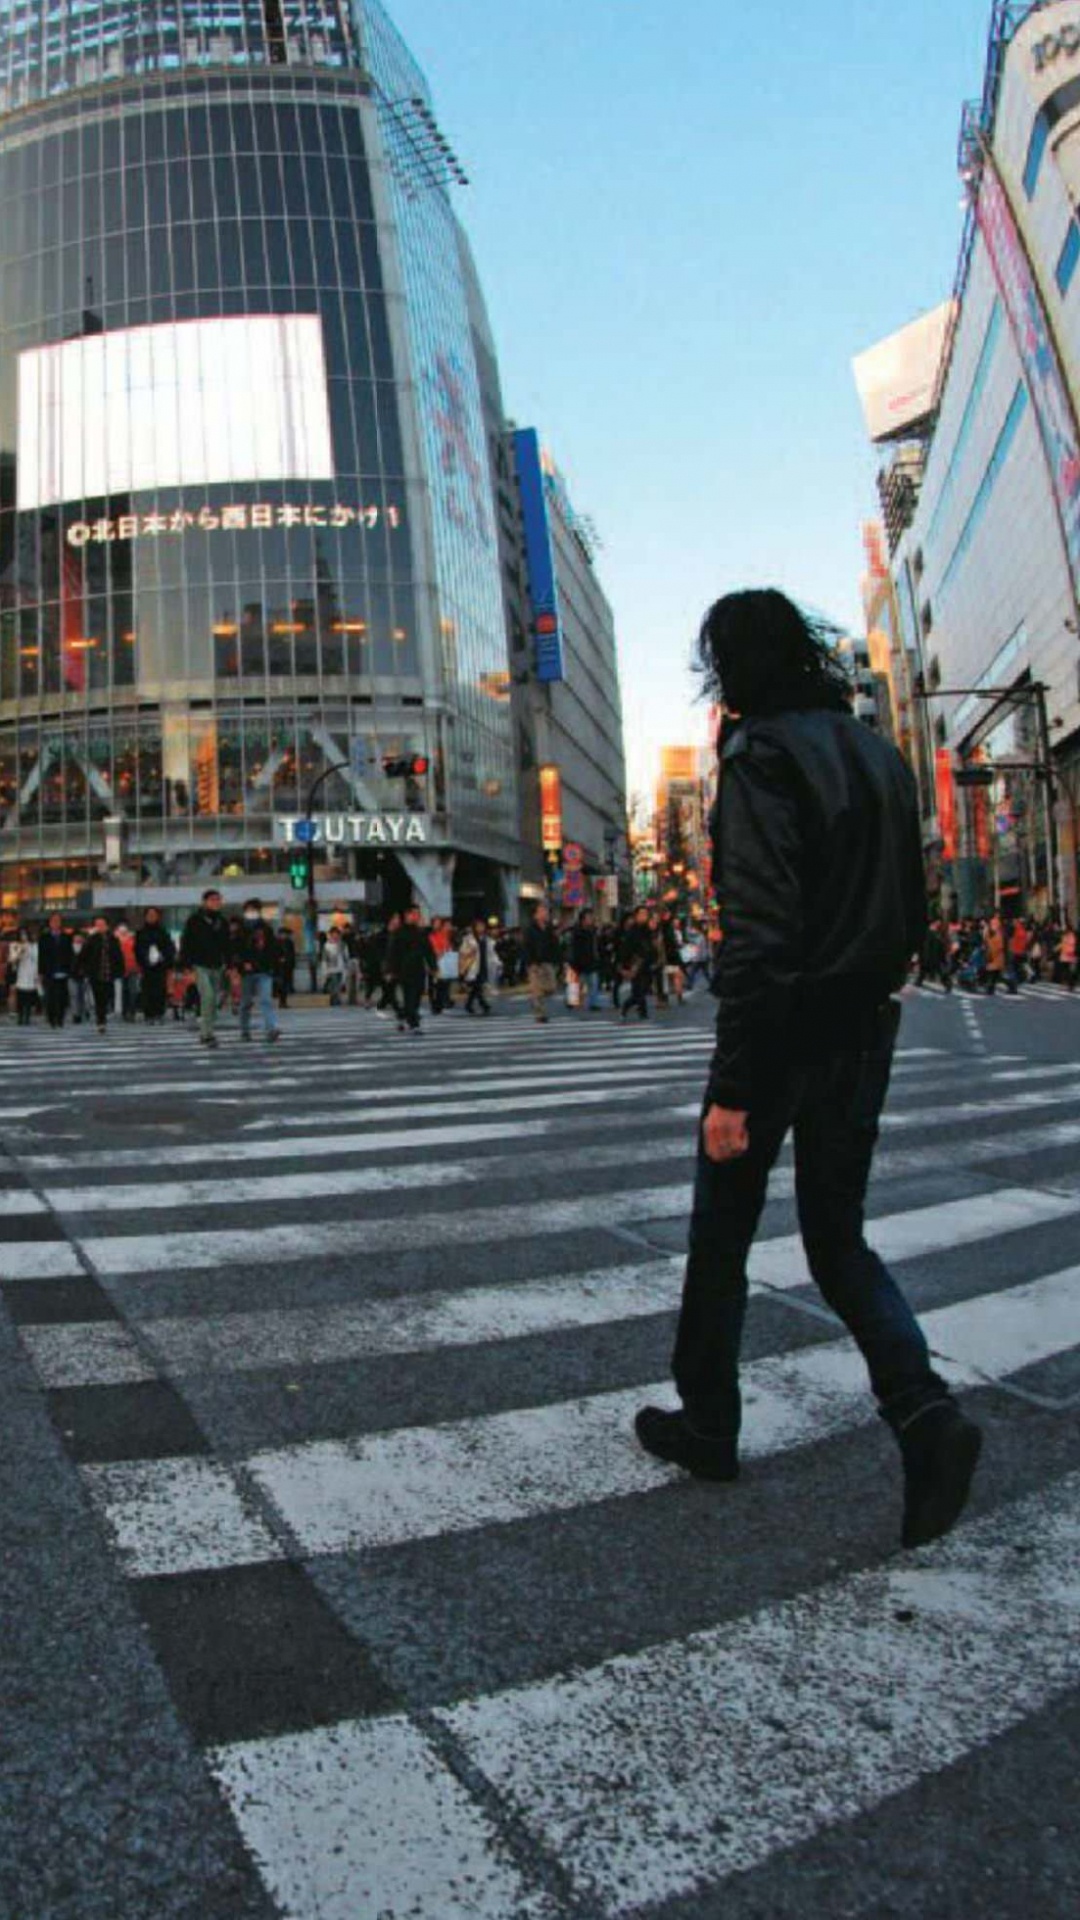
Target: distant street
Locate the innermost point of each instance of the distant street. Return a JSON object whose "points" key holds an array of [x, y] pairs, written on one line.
{"points": [[365, 1604]]}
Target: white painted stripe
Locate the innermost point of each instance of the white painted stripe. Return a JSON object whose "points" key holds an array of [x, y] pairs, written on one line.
{"points": [[170, 1252], [345, 1496], [922, 1230], [18, 1200], [38, 1260], [177, 1516], [314, 1336], [272, 1189], [933, 1117], [898, 1236], [318, 1145], [91, 1354], [363, 1821], [951, 1650]]}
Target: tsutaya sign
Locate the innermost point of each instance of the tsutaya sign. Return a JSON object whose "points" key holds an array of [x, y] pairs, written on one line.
{"points": [[1065, 40], [357, 829]]}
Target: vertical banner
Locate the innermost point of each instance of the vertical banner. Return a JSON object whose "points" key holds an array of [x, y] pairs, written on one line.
{"points": [[539, 558], [551, 809], [946, 801], [1039, 357]]}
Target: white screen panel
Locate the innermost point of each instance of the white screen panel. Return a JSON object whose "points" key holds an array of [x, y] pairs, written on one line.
{"points": [[193, 403]]}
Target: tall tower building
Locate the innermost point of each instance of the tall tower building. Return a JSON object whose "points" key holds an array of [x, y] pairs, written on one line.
{"points": [[247, 534]]}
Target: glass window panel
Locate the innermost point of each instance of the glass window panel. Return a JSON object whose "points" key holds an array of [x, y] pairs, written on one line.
{"points": [[303, 257]]}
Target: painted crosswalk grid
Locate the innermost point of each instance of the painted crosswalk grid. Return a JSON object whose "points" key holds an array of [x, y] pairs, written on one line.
{"points": [[368, 1319]]}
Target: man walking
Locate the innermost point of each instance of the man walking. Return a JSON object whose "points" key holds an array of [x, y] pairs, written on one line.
{"points": [[411, 962], [543, 957], [56, 964], [818, 862], [102, 962], [257, 958], [584, 956], [155, 953], [205, 946]]}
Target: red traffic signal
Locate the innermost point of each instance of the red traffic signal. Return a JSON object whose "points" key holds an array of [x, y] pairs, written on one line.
{"points": [[408, 767]]}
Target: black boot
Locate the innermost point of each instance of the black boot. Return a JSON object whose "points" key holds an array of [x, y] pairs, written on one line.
{"points": [[940, 1450], [671, 1437]]}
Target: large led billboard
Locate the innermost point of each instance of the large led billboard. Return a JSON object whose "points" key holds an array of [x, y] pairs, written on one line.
{"points": [[186, 404]]}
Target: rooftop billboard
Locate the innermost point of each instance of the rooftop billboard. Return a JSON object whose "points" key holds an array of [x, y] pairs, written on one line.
{"points": [[897, 378]]}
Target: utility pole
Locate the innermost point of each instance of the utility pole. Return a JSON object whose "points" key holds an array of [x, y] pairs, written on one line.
{"points": [[309, 842]]}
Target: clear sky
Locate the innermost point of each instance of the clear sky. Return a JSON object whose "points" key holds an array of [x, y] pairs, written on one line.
{"points": [[688, 217]]}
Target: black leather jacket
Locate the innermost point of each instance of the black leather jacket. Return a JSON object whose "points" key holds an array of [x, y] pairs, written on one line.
{"points": [[818, 866]]}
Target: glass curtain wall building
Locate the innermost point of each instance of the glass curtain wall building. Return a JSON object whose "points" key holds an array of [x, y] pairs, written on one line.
{"points": [[246, 531]]}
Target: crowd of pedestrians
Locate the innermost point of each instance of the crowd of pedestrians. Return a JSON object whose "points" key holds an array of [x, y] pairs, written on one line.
{"points": [[247, 964], [980, 956]]}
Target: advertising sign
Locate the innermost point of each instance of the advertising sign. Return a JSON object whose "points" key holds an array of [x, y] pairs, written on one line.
{"points": [[1039, 356], [189, 403], [354, 829], [539, 558], [946, 801], [550, 810], [897, 379], [573, 858]]}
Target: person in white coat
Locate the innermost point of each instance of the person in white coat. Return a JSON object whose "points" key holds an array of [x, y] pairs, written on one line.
{"points": [[477, 966], [24, 959]]}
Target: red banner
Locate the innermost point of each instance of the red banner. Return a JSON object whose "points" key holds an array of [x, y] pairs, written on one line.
{"points": [[946, 801]]}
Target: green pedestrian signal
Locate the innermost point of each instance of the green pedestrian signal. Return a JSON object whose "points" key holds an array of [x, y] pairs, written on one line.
{"points": [[298, 871]]}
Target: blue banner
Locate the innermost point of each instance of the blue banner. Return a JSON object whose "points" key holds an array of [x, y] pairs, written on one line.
{"points": [[539, 558]]}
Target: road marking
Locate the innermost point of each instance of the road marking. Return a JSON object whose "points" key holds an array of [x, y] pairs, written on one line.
{"points": [[364, 1820], [92, 1354], [177, 1516], [350, 1496], [882, 1678], [273, 1189]]}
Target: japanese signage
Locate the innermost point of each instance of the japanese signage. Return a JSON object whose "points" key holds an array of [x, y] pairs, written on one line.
{"points": [[355, 829], [550, 810], [239, 517], [1039, 357]]}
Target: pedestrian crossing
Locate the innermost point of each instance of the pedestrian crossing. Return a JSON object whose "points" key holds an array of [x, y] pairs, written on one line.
{"points": [[345, 1339]]}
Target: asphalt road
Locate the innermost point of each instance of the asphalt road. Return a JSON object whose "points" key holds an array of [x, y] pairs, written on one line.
{"points": [[332, 1581]]}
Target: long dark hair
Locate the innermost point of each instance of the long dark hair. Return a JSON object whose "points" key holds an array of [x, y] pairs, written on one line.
{"points": [[758, 653]]}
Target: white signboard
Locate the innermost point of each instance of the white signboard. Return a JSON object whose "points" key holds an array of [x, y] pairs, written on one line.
{"points": [[897, 379], [190, 403], [358, 829]]}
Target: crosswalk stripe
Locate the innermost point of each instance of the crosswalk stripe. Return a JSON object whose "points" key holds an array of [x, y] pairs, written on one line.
{"points": [[414, 1483], [952, 1650], [377, 1825], [418, 1482], [267, 1190], [237, 1152], [210, 1249]]}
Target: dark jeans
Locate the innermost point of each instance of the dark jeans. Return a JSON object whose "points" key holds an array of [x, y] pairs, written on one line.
{"points": [[153, 993], [476, 997], [639, 994], [832, 1096], [56, 1001], [103, 999], [412, 992]]}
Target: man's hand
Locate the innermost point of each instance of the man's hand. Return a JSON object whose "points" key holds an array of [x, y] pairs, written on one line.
{"points": [[724, 1133]]}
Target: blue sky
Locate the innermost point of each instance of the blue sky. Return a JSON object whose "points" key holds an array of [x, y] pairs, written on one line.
{"points": [[687, 219]]}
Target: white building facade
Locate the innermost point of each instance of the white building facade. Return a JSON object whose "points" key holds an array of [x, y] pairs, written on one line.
{"points": [[987, 576]]}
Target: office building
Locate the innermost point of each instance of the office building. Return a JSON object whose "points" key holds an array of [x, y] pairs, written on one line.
{"points": [[248, 548], [987, 570]]}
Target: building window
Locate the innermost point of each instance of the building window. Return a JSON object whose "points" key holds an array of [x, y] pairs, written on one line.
{"points": [[989, 480], [1068, 258], [926, 617], [1051, 111]]}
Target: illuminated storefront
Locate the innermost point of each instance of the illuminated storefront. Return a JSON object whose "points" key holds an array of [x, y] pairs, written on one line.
{"points": [[246, 534]]}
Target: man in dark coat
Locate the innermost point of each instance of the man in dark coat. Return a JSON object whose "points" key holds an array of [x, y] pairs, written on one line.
{"points": [[155, 953], [102, 963], [56, 964], [817, 857], [256, 955], [410, 961], [205, 945]]}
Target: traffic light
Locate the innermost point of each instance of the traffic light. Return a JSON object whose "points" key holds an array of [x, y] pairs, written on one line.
{"points": [[298, 872], [974, 776], [412, 766]]}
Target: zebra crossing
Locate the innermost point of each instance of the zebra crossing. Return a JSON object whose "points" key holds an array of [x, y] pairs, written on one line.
{"points": [[344, 1340]]}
